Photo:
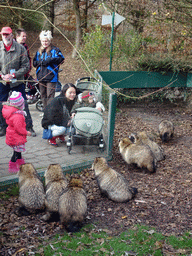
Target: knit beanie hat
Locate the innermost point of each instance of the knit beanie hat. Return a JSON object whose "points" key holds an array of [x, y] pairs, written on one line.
{"points": [[45, 34], [16, 99]]}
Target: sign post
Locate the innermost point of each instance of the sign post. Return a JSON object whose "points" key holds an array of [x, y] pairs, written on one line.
{"points": [[111, 48], [114, 19]]}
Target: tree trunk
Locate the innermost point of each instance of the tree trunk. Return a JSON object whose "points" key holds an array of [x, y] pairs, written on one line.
{"points": [[52, 14], [84, 25], [78, 27]]}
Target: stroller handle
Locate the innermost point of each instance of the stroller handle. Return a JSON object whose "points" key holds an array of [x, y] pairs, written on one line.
{"points": [[88, 78]]}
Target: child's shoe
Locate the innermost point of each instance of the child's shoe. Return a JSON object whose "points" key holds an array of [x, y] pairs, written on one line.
{"points": [[13, 166], [61, 138], [20, 162], [52, 142]]}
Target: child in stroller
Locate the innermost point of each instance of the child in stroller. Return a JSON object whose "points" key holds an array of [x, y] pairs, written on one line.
{"points": [[88, 121], [87, 99]]}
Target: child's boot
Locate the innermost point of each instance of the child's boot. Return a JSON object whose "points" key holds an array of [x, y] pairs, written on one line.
{"points": [[13, 166], [52, 141]]}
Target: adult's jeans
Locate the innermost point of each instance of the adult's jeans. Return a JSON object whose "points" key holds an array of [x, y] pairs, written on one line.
{"points": [[60, 130], [5, 91]]}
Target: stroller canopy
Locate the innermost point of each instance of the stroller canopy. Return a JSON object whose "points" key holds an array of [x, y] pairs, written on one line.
{"points": [[88, 121]]}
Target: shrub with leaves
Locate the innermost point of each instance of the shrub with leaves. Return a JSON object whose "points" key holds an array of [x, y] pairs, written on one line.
{"points": [[95, 46], [164, 63]]}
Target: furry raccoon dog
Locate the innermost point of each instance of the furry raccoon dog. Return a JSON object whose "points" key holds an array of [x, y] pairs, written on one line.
{"points": [[138, 154], [166, 130], [144, 139], [73, 205], [112, 183], [55, 183], [31, 190]]}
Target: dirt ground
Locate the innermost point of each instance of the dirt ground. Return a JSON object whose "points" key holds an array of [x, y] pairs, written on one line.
{"points": [[163, 200]]}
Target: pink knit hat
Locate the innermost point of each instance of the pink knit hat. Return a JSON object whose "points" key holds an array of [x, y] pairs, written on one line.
{"points": [[16, 99]]}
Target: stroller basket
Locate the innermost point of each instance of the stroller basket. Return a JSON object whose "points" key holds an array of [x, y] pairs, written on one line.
{"points": [[88, 122]]}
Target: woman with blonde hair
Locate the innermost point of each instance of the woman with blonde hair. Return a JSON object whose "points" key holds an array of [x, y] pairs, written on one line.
{"points": [[47, 61]]}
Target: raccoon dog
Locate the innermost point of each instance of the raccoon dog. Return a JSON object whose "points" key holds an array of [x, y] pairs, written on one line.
{"points": [[31, 190], [140, 155], [141, 137], [112, 183], [166, 130], [55, 183], [73, 205]]}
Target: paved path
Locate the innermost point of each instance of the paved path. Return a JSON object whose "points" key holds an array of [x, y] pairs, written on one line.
{"points": [[41, 154]]}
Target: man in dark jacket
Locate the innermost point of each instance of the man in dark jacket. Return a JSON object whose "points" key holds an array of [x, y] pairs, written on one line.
{"points": [[14, 64], [21, 37]]}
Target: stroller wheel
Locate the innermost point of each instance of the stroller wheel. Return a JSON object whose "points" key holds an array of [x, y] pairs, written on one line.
{"points": [[101, 147], [101, 144], [69, 150], [69, 146], [39, 105]]}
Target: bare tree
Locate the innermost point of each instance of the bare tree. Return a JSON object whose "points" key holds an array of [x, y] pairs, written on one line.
{"points": [[78, 26], [181, 11], [135, 11], [52, 13], [81, 15]]}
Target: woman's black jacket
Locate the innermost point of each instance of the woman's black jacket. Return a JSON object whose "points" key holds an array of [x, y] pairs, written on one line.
{"points": [[57, 112]]}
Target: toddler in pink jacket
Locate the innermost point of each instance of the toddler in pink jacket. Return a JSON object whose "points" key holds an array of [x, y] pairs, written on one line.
{"points": [[16, 133]]}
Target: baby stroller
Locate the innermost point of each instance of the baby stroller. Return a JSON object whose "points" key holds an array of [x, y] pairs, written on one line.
{"points": [[87, 122], [33, 93]]}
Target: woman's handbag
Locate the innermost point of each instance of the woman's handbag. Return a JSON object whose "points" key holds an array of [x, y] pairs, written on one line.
{"points": [[47, 134]]}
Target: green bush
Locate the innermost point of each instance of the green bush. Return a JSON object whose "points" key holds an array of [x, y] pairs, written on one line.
{"points": [[11, 191], [128, 44], [127, 48], [97, 43], [164, 63], [95, 46]]}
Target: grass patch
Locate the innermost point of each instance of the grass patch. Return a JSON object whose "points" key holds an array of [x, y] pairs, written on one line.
{"points": [[140, 240], [11, 191]]}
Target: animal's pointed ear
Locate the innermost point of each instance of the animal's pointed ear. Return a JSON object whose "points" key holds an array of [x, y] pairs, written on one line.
{"points": [[49, 167], [137, 137], [96, 160]]}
